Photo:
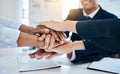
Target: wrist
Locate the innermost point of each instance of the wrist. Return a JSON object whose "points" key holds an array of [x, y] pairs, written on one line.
{"points": [[26, 29], [71, 26], [27, 40], [78, 45], [69, 55]]}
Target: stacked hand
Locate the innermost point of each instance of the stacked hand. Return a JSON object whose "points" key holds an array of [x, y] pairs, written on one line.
{"points": [[50, 39], [51, 34]]}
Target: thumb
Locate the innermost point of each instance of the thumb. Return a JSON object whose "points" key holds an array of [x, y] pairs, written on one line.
{"points": [[41, 31], [53, 50]]}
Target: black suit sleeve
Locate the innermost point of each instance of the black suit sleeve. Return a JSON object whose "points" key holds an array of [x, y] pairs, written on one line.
{"points": [[102, 33]]}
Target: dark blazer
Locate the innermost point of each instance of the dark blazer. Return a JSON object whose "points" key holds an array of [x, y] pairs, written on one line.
{"points": [[92, 52], [104, 34]]}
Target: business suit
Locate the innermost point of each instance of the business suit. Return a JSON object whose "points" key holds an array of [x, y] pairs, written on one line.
{"points": [[106, 33], [86, 55]]}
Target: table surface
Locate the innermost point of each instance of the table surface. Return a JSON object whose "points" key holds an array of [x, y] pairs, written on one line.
{"points": [[9, 65]]}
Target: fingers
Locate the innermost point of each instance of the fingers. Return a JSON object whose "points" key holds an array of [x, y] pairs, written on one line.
{"points": [[39, 54], [32, 56], [60, 35], [47, 41], [58, 26], [41, 30], [53, 33], [52, 42], [52, 55], [42, 37], [37, 34]]}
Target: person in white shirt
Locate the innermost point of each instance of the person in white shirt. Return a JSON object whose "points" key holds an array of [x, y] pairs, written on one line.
{"points": [[9, 32], [13, 34]]}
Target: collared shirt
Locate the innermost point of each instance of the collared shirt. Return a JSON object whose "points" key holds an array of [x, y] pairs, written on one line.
{"points": [[91, 16], [9, 32]]}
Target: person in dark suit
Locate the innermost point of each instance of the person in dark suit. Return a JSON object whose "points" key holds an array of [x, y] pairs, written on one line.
{"points": [[92, 51], [104, 34], [90, 11]]}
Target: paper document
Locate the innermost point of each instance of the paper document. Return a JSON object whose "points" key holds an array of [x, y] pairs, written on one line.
{"points": [[107, 64], [27, 64]]}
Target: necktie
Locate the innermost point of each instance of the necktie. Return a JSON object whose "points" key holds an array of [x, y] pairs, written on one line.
{"points": [[86, 18]]}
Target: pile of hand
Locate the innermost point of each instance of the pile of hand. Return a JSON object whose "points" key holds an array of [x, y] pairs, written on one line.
{"points": [[52, 40]]}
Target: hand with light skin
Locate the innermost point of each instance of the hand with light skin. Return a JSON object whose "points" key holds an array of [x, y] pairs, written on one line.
{"points": [[59, 36], [41, 53], [61, 26], [50, 36], [49, 42], [43, 34], [67, 47]]}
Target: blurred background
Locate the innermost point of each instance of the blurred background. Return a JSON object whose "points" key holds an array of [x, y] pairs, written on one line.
{"points": [[31, 12]]}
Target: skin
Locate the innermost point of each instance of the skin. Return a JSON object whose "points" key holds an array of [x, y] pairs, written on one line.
{"points": [[89, 6], [66, 47], [40, 37]]}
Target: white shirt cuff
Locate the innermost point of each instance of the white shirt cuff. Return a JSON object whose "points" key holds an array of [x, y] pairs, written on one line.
{"points": [[73, 56], [8, 36]]}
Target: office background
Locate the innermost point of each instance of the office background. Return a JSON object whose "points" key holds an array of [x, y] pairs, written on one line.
{"points": [[22, 10]]}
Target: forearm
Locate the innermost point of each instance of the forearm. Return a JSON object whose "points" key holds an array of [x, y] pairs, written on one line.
{"points": [[27, 40], [71, 26], [31, 40], [78, 45], [26, 29]]}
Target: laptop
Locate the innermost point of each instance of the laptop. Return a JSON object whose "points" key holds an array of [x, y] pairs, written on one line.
{"points": [[25, 63]]}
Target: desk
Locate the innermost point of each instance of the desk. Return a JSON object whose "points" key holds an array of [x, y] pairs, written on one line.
{"points": [[9, 65]]}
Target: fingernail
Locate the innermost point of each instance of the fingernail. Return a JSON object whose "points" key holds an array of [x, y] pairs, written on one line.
{"points": [[46, 30], [39, 39], [57, 39]]}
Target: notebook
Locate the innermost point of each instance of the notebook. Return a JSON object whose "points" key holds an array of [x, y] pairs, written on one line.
{"points": [[25, 63], [111, 65]]}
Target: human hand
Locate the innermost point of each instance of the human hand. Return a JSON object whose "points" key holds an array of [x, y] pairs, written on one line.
{"points": [[40, 53], [61, 49], [55, 25], [67, 47], [40, 29], [61, 26], [26, 29], [49, 41], [49, 37]]}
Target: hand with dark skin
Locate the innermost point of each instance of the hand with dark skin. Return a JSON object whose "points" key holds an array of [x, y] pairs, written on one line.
{"points": [[45, 39]]}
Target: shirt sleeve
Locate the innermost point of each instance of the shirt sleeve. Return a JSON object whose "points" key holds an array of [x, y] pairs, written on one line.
{"points": [[73, 56], [9, 23], [8, 37], [104, 34]]}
